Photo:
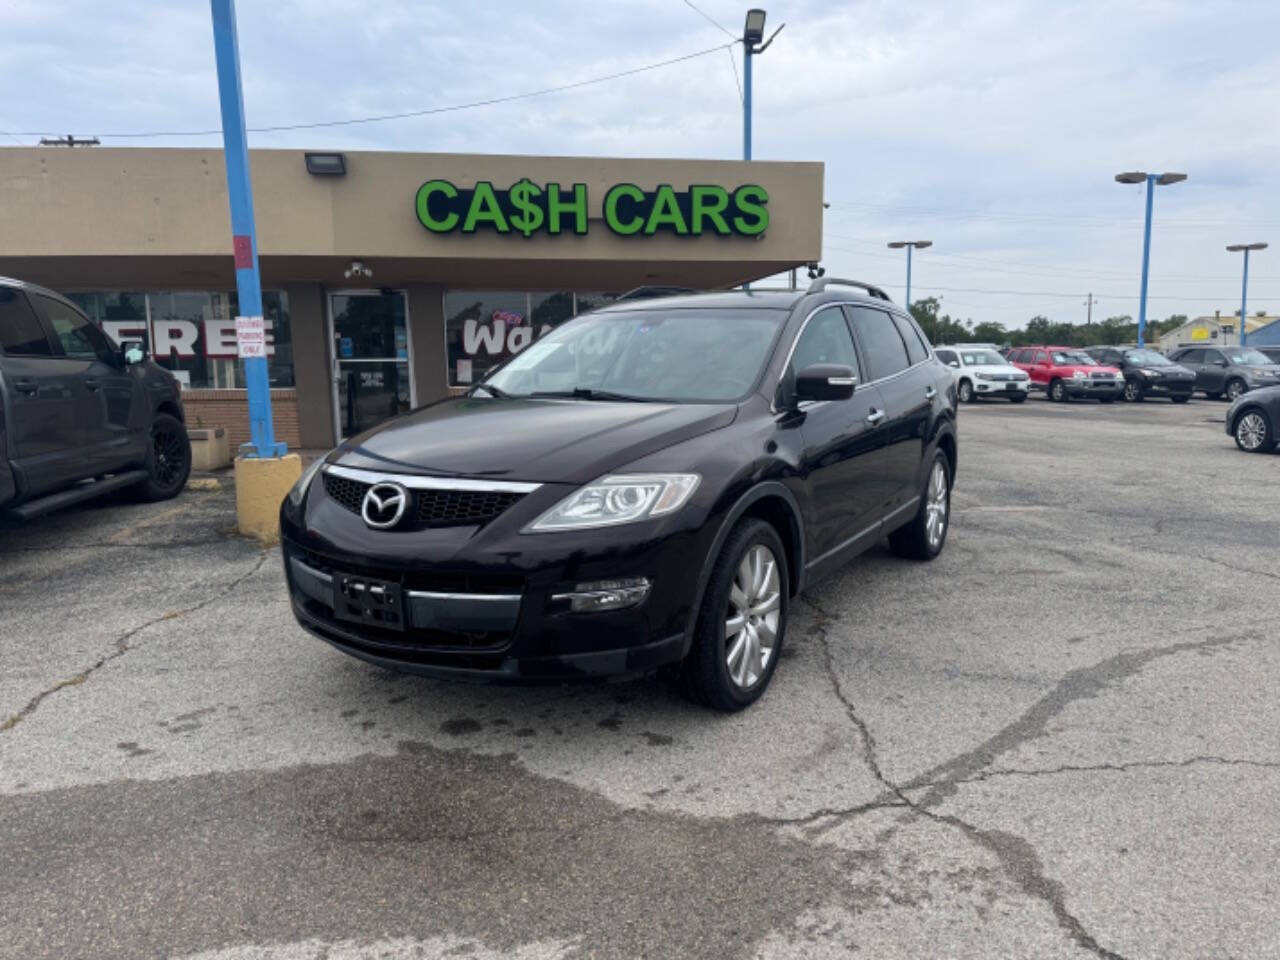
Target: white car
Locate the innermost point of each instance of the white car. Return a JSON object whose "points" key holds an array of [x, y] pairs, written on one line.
{"points": [[979, 371]]}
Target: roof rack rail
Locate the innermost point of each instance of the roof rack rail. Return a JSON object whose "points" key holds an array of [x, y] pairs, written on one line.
{"points": [[823, 282]]}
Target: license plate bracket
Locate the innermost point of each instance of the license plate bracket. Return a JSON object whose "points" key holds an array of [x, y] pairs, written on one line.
{"points": [[375, 603]]}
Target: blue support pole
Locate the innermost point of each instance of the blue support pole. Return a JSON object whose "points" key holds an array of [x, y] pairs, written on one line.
{"points": [[1244, 296], [746, 101], [908, 304], [1146, 262], [243, 234]]}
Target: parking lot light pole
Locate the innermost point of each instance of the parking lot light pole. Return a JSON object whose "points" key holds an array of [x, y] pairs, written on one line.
{"points": [[1151, 180], [243, 235], [910, 245], [1244, 283]]}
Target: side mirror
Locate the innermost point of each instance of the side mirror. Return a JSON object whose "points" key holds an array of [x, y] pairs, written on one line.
{"points": [[954, 363], [825, 381], [132, 351]]}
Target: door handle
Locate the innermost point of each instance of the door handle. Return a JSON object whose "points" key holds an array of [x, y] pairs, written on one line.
{"points": [[29, 387], [92, 385], [875, 416], [930, 393]]}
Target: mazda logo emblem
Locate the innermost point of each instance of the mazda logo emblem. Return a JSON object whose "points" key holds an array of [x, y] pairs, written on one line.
{"points": [[384, 504]]}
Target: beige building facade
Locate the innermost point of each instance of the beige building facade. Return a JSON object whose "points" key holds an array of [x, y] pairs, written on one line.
{"points": [[394, 282]]}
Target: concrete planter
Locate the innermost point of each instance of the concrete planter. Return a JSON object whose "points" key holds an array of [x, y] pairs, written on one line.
{"points": [[209, 448]]}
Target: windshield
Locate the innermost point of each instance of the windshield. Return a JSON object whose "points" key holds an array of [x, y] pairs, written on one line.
{"points": [[1148, 358], [976, 358], [1239, 355], [686, 355], [1073, 357]]}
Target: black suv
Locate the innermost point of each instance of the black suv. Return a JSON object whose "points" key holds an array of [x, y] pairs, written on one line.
{"points": [[646, 486], [79, 416], [1147, 373]]}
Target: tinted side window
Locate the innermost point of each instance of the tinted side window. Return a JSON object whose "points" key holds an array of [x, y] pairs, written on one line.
{"points": [[910, 336], [825, 339], [78, 336], [947, 356], [20, 331], [882, 347], [1041, 357]]}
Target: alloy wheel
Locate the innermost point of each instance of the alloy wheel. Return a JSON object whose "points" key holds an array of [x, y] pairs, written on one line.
{"points": [[751, 623], [966, 391], [168, 457], [1131, 391], [1251, 431], [1234, 389], [935, 520]]}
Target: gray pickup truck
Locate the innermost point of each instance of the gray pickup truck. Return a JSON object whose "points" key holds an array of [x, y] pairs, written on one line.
{"points": [[79, 415]]}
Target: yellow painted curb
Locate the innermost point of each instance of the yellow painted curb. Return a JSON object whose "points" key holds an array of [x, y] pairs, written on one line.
{"points": [[261, 486], [204, 483]]}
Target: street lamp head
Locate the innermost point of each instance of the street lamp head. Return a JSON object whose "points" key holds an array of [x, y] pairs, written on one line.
{"points": [[1167, 178], [753, 29], [921, 244], [897, 244], [1238, 247], [1134, 176]]}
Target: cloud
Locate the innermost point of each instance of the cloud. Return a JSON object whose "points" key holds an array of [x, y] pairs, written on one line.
{"points": [[992, 129]]}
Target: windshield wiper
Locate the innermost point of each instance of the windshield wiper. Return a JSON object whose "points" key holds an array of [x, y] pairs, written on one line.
{"points": [[587, 393], [494, 392]]}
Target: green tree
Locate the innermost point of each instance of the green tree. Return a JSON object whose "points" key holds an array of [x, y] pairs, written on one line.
{"points": [[937, 326], [988, 331]]}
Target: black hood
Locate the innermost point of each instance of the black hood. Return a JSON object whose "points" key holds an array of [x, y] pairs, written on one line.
{"points": [[542, 441]]}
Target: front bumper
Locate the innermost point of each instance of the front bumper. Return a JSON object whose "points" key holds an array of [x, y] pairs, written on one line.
{"points": [[1000, 388], [482, 603], [1164, 387], [1094, 388]]}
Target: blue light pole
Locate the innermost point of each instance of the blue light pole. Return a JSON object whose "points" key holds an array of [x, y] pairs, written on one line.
{"points": [[1151, 180], [752, 34], [243, 234], [1244, 284], [910, 245]]}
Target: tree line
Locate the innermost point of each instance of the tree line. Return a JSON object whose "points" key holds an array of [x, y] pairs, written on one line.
{"points": [[942, 328]]}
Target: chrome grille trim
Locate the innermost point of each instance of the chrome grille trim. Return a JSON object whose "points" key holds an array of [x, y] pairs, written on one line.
{"points": [[416, 482]]}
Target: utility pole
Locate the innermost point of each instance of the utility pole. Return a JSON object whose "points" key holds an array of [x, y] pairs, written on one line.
{"points": [[1089, 302]]}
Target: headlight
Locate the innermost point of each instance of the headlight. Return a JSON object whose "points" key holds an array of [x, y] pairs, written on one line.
{"points": [[613, 500], [1079, 375], [299, 491]]}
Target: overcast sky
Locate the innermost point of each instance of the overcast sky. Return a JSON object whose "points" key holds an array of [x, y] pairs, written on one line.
{"points": [[992, 129]]}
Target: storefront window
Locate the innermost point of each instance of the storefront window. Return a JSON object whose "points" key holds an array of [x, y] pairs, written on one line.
{"points": [[193, 333], [485, 327]]}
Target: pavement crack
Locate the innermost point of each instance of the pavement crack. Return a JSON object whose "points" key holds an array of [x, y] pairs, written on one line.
{"points": [[1016, 856], [1113, 768], [121, 645]]}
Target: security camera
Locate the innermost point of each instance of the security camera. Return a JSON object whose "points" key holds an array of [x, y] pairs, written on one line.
{"points": [[357, 269]]}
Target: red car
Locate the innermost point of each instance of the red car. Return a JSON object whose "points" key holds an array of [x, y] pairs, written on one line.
{"points": [[1067, 372]]}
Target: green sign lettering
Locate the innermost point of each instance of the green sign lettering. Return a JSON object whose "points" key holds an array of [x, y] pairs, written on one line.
{"points": [[527, 208]]}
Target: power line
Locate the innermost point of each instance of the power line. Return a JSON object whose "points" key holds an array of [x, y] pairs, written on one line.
{"points": [[715, 23], [453, 108], [733, 62]]}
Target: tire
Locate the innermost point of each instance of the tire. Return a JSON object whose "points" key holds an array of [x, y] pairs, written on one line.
{"points": [[1211, 395], [1236, 389], [1057, 391], [1018, 399], [965, 392], [1133, 391], [925, 534], [711, 675], [168, 460], [1179, 399], [1254, 432]]}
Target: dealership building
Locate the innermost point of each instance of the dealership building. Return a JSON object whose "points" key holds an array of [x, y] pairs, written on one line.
{"points": [[390, 280]]}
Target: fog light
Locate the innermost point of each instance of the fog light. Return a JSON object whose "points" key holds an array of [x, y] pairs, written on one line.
{"points": [[605, 595]]}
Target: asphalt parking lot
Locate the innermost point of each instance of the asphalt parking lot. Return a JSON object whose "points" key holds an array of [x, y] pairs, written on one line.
{"points": [[1060, 739]]}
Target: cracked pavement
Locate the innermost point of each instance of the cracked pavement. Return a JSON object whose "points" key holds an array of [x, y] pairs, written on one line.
{"points": [[1061, 739]]}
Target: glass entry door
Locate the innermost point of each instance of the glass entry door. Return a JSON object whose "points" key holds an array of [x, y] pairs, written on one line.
{"points": [[370, 334]]}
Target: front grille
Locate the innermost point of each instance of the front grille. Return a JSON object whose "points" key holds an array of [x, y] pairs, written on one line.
{"points": [[349, 493], [1103, 376], [431, 508], [458, 508]]}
